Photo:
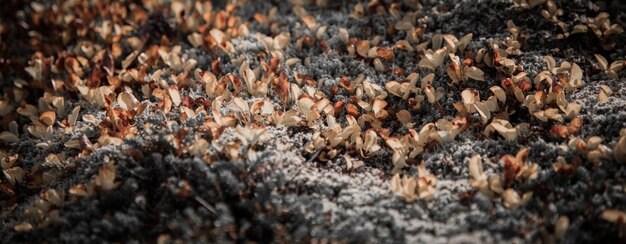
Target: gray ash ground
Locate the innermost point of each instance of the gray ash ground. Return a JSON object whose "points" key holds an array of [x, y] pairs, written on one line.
{"points": [[288, 196]]}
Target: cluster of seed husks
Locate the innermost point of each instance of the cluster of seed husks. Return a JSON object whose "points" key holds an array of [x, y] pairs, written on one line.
{"points": [[130, 63], [600, 25]]}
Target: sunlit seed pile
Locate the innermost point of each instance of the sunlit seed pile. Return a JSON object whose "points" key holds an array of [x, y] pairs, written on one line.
{"points": [[118, 87]]}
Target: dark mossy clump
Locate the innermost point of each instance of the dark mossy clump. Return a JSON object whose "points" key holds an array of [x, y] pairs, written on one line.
{"points": [[157, 26], [164, 196]]}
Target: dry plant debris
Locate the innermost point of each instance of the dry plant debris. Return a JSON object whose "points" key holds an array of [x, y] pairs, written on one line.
{"points": [[97, 97]]}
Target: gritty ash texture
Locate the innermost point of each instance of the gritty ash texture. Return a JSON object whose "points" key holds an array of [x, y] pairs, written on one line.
{"points": [[288, 196]]}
